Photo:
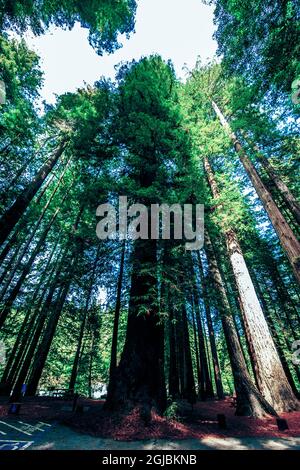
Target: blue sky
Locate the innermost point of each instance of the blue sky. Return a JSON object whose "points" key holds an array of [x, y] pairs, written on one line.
{"points": [[180, 30]]}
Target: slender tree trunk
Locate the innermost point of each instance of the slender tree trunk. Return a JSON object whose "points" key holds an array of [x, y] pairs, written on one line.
{"points": [[44, 347], [114, 345], [9, 302], [17, 366], [270, 375], [30, 352], [189, 391], [198, 367], [286, 236], [5, 386], [26, 356], [180, 356], [250, 402], [83, 324], [91, 366], [17, 356], [173, 363], [14, 181], [5, 269], [15, 212], [287, 196], [9, 245], [26, 246], [207, 387], [17, 234], [212, 339]]}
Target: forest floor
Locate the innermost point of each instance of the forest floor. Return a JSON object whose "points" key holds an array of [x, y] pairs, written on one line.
{"points": [[197, 423]]}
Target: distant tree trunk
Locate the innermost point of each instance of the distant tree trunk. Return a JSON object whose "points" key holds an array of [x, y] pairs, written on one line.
{"points": [[9, 245], [15, 212], [270, 375], [250, 402], [198, 367], [290, 308], [26, 356], [173, 363], [287, 196], [91, 366], [212, 339], [5, 385], [44, 347], [139, 378], [10, 262], [114, 344], [83, 323], [286, 236], [32, 347], [207, 390], [189, 391], [179, 335], [11, 184], [76, 246], [15, 360], [37, 224], [17, 235], [12, 296]]}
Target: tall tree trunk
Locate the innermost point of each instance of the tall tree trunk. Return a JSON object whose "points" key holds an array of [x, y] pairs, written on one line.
{"points": [[10, 262], [9, 245], [189, 391], [44, 347], [5, 385], [90, 376], [174, 391], [207, 387], [250, 402], [139, 378], [114, 344], [9, 302], [270, 375], [179, 335], [11, 184], [286, 236], [37, 224], [212, 339], [76, 246], [277, 337], [26, 356], [11, 371], [287, 196], [17, 235], [15, 212], [198, 367], [32, 347], [83, 324]]}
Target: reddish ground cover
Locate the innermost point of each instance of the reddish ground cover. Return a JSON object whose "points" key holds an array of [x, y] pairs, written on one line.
{"points": [[197, 423]]}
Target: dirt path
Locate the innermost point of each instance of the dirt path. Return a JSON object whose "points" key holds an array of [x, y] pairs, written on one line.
{"points": [[62, 438]]}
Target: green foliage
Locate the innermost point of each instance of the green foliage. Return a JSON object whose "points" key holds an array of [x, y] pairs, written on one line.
{"points": [[259, 39], [105, 19], [171, 412]]}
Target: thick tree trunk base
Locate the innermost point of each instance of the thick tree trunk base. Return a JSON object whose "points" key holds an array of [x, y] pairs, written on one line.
{"points": [[139, 380]]}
